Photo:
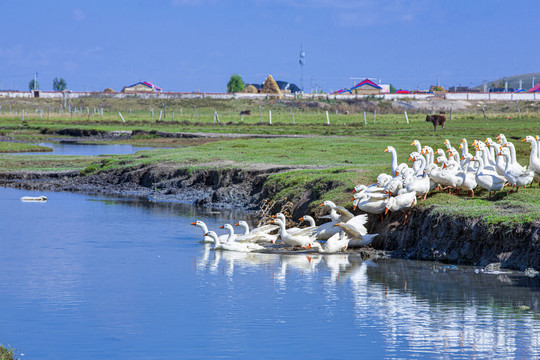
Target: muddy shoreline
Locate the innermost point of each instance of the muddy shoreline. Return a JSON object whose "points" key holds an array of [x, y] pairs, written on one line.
{"points": [[427, 236]]}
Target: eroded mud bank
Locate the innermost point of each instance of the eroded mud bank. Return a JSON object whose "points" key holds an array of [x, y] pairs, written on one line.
{"points": [[427, 236]]}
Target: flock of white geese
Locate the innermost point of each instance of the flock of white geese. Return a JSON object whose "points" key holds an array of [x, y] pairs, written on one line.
{"points": [[492, 166]]}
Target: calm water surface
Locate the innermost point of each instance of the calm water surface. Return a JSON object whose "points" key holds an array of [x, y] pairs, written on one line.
{"points": [[88, 149], [85, 277]]}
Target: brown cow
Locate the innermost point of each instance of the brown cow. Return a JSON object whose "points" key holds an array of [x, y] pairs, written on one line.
{"points": [[436, 120]]}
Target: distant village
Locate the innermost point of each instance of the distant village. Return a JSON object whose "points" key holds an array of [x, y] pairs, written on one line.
{"points": [[364, 87]]}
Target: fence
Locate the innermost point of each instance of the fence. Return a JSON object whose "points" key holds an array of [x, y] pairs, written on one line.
{"points": [[224, 96]]}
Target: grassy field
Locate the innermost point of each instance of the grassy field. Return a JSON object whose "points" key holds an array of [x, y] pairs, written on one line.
{"points": [[348, 151]]}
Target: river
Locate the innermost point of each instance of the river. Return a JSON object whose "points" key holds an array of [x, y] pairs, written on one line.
{"points": [[87, 277]]}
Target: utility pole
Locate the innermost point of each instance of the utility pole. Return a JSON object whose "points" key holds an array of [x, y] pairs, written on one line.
{"points": [[36, 84], [302, 61]]}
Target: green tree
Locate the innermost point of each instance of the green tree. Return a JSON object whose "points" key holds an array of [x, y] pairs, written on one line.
{"points": [[33, 85], [59, 84], [235, 84], [392, 89]]}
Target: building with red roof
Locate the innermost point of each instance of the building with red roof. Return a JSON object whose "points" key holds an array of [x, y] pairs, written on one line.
{"points": [[366, 87], [535, 88], [142, 86]]}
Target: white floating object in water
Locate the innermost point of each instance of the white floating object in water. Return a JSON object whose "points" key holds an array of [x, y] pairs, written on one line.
{"points": [[34, 198]]}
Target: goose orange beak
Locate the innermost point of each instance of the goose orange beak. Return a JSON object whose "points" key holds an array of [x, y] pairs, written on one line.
{"points": [[386, 150], [460, 146], [410, 158], [499, 136], [525, 139], [354, 207], [385, 211], [307, 248], [486, 141], [272, 222], [462, 158], [301, 219], [194, 223], [412, 143], [274, 216], [397, 173], [505, 145], [206, 234], [237, 224], [435, 161], [353, 191], [444, 166], [222, 227]]}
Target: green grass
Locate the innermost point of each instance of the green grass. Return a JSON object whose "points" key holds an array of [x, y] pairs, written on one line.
{"points": [[346, 152], [10, 147]]}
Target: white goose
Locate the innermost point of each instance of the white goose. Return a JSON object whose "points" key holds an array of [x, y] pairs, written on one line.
{"points": [[534, 160], [468, 176], [294, 240], [422, 184], [370, 204], [356, 231], [516, 176], [337, 243], [260, 234], [488, 180], [207, 239], [232, 246], [402, 202], [232, 239], [394, 164]]}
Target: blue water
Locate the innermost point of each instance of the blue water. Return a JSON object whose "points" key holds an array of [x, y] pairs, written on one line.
{"points": [[88, 149], [86, 277]]}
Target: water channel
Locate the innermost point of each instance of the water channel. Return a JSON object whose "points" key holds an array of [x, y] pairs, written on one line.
{"points": [[86, 277], [66, 148]]}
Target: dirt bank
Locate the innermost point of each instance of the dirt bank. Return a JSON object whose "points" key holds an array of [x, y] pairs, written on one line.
{"points": [[427, 236]]}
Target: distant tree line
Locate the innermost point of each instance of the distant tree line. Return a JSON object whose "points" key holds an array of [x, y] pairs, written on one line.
{"points": [[59, 84]]}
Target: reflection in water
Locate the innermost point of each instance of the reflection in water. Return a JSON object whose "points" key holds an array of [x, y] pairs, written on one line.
{"points": [[420, 308]]}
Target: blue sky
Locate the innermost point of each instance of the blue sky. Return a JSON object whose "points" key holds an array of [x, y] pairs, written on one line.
{"points": [[191, 45]]}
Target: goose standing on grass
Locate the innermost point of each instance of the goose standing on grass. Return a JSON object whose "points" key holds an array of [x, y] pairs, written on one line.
{"points": [[534, 160], [500, 161], [516, 176], [422, 184], [488, 180], [513, 159], [394, 164], [402, 202], [294, 240], [228, 246], [468, 177]]}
